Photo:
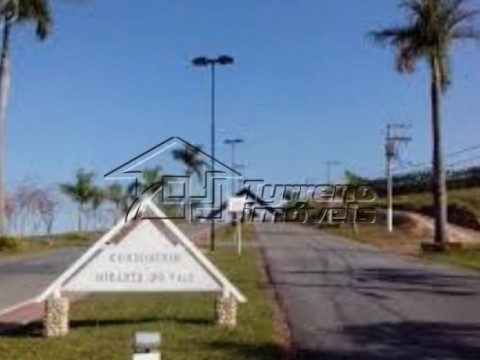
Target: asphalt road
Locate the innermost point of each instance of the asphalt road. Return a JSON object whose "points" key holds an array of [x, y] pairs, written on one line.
{"points": [[22, 279], [346, 300]]}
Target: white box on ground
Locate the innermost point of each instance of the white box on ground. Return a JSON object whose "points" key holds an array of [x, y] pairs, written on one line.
{"points": [[236, 204], [150, 356]]}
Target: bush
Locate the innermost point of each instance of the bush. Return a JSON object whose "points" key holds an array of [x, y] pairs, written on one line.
{"points": [[75, 236], [10, 243]]}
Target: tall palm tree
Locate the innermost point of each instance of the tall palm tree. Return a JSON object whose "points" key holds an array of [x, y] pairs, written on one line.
{"points": [[433, 27], [190, 157], [116, 195], [97, 198], [80, 191], [150, 180], [36, 12]]}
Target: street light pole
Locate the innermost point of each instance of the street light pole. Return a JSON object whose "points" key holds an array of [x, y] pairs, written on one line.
{"points": [[212, 62]]}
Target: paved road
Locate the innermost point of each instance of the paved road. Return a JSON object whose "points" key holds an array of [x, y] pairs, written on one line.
{"points": [[350, 301], [22, 279]]}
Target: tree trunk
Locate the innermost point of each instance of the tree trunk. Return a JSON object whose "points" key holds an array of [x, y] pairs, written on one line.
{"points": [[4, 93], [80, 213], [439, 185]]}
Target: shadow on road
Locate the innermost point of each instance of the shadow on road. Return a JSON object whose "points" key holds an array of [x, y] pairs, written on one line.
{"points": [[406, 341], [386, 280]]}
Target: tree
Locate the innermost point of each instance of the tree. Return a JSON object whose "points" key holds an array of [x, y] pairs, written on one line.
{"points": [[46, 206], [190, 157], [434, 27], [35, 206], [80, 191], [150, 180], [116, 195], [96, 200], [353, 179], [18, 12]]}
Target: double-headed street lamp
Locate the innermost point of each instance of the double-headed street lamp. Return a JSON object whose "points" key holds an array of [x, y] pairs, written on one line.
{"points": [[212, 63]]}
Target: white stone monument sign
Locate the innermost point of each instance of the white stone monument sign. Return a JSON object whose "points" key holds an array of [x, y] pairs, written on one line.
{"points": [[142, 256]]}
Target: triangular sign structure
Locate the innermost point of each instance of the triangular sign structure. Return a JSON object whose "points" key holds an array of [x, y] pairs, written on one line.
{"points": [[150, 257]]}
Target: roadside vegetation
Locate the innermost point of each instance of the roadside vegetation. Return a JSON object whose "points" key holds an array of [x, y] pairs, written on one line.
{"points": [[463, 206], [11, 246], [429, 34], [102, 325], [411, 194], [405, 241]]}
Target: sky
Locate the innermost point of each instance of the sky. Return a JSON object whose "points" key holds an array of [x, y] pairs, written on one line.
{"points": [[308, 86]]}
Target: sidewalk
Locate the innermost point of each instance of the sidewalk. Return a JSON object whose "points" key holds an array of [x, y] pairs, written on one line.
{"points": [[26, 314], [20, 317]]}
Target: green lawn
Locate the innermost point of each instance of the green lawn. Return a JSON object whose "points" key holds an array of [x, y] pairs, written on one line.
{"points": [[102, 325], [468, 258]]}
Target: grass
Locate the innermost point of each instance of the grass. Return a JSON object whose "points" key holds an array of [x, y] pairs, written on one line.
{"points": [[37, 244], [102, 325], [463, 205], [224, 235], [403, 242], [469, 197], [468, 258]]}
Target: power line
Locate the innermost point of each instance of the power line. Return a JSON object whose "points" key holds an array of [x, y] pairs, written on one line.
{"points": [[463, 151], [464, 160], [426, 165]]}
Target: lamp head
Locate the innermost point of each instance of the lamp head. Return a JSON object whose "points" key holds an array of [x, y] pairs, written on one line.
{"points": [[225, 60], [200, 61]]}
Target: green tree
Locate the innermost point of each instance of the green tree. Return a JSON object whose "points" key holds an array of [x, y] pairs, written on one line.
{"points": [[36, 12], [433, 27], [80, 191], [115, 193], [353, 179], [97, 199], [151, 180], [190, 157]]}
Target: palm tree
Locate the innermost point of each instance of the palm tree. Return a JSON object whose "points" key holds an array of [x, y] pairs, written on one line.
{"points": [[190, 157], [116, 195], [36, 12], [80, 191], [97, 198], [150, 180], [434, 27]]}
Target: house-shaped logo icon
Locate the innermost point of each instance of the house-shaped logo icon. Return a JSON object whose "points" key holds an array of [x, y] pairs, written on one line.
{"points": [[190, 194]]}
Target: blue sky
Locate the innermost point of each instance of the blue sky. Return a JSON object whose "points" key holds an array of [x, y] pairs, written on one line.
{"points": [[308, 86]]}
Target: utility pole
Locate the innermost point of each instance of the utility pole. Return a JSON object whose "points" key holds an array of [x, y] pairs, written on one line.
{"points": [[394, 137]]}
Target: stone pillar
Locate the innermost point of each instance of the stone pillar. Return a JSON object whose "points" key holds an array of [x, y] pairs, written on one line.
{"points": [[226, 311], [56, 319]]}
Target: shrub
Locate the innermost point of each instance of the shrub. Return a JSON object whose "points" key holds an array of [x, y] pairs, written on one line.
{"points": [[75, 236], [10, 243]]}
